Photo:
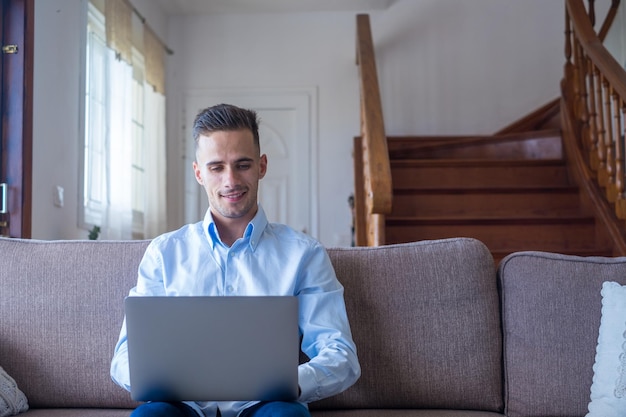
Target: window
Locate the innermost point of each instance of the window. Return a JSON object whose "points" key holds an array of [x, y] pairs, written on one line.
{"points": [[118, 104]]}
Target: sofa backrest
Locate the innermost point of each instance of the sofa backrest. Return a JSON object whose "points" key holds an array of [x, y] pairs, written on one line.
{"points": [[60, 315], [551, 309], [426, 321], [424, 316]]}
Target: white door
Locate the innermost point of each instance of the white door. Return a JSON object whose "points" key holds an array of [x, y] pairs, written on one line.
{"points": [[287, 137]]}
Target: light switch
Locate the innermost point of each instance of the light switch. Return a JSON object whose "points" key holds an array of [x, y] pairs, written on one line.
{"points": [[58, 196]]}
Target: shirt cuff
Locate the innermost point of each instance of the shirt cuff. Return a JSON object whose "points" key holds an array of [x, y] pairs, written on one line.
{"points": [[308, 385]]}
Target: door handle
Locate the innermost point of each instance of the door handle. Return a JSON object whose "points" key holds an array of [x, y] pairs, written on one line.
{"points": [[3, 198]]}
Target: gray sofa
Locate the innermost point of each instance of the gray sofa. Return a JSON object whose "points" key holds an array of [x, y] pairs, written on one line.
{"points": [[439, 332]]}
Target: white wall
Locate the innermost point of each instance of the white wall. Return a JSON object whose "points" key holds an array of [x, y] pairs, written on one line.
{"points": [[445, 67], [56, 84], [458, 67], [59, 27]]}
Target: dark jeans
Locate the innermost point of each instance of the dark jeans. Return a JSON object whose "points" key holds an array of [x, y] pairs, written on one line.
{"points": [[163, 409], [267, 409]]}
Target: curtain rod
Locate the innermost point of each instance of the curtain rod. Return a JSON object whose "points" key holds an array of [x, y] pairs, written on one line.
{"points": [[145, 23]]}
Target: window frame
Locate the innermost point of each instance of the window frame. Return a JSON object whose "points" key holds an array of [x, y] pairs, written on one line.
{"points": [[90, 212]]}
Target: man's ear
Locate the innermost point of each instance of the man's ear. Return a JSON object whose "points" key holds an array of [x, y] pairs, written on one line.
{"points": [[262, 166], [197, 174]]}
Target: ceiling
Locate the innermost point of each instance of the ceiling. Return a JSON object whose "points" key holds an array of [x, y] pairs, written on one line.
{"points": [[196, 7]]}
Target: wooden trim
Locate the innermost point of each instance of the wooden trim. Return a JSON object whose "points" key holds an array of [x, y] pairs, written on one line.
{"points": [[27, 140], [534, 120]]}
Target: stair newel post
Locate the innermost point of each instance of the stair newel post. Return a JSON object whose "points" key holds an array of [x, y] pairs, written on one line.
{"points": [[377, 170], [360, 212]]}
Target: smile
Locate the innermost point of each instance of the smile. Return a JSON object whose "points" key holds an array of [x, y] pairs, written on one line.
{"points": [[233, 196]]}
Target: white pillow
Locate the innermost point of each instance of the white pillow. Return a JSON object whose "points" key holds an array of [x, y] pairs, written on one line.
{"points": [[12, 400], [608, 388]]}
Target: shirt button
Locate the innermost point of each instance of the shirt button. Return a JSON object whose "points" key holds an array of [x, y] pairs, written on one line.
{"points": [[229, 288]]}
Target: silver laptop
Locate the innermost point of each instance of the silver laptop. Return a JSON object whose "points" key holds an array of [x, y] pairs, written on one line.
{"points": [[213, 348]]}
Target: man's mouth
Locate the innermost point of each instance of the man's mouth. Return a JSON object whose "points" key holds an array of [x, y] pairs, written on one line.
{"points": [[233, 196]]}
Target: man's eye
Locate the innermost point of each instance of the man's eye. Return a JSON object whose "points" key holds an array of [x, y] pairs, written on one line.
{"points": [[215, 169], [244, 166]]}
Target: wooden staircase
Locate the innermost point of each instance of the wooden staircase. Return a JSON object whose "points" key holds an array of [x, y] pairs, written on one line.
{"points": [[511, 191], [554, 180]]}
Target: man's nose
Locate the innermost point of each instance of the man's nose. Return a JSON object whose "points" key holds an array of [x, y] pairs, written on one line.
{"points": [[232, 177]]}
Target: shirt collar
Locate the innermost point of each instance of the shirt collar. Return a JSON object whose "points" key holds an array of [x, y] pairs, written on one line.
{"points": [[252, 234]]}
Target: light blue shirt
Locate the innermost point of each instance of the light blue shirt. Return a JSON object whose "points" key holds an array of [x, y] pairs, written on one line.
{"points": [[270, 259]]}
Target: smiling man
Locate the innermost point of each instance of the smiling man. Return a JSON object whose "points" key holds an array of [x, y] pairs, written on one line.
{"points": [[236, 251], [229, 166]]}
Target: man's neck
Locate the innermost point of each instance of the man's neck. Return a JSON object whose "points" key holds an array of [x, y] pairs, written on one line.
{"points": [[230, 229]]}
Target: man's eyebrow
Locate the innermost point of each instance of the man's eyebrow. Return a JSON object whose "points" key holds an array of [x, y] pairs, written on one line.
{"points": [[237, 161]]}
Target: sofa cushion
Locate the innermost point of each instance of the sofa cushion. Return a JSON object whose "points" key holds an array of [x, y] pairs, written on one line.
{"points": [[551, 307], [425, 319], [403, 413], [608, 389], [61, 310]]}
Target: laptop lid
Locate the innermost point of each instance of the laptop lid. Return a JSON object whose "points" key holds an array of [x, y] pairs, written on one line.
{"points": [[213, 348]]}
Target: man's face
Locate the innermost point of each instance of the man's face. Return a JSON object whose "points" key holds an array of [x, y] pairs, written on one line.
{"points": [[229, 167]]}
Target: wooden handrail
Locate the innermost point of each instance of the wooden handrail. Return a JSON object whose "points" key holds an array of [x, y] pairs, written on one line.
{"points": [[594, 109], [593, 48], [375, 202]]}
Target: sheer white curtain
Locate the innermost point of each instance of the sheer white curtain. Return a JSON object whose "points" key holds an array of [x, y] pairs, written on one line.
{"points": [[118, 216], [155, 166], [125, 168]]}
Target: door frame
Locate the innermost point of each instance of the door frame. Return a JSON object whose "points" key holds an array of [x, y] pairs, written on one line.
{"points": [[16, 106]]}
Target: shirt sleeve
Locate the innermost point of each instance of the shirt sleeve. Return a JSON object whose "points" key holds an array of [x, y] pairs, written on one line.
{"points": [[149, 282], [326, 335]]}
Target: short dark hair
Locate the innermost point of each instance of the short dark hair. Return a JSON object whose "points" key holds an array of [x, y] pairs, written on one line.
{"points": [[225, 117]]}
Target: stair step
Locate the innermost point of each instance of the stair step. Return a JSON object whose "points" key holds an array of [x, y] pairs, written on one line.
{"points": [[529, 145], [482, 202], [500, 234], [512, 191], [450, 173]]}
